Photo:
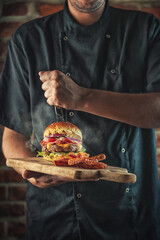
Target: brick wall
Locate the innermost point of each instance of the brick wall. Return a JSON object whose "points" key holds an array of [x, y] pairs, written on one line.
{"points": [[12, 187]]}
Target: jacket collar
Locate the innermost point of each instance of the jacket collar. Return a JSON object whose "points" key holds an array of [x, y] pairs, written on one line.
{"points": [[70, 22]]}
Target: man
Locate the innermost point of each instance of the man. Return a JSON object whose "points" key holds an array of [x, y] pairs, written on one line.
{"points": [[101, 65]]}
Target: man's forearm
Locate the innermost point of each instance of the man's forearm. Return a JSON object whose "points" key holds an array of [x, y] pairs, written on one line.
{"points": [[14, 145], [141, 110]]}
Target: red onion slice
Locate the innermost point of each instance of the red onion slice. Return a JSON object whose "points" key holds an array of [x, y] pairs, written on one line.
{"points": [[62, 135], [75, 139]]}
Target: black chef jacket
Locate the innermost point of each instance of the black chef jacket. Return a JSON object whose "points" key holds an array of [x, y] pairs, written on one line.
{"points": [[119, 53]]}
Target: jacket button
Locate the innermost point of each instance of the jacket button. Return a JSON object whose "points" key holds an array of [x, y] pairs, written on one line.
{"points": [[113, 71], [71, 114], [108, 36], [68, 74], [65, 38], [123, 150], [79, 195]]}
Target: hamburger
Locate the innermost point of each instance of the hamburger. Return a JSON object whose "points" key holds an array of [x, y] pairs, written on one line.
{"points": [[61, 138]]}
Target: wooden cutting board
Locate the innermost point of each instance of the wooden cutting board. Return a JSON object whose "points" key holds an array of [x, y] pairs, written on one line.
{"points": [[39, 164]]}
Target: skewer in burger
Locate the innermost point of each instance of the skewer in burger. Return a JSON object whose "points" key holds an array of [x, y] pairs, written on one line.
{"points": [[60, 138]]}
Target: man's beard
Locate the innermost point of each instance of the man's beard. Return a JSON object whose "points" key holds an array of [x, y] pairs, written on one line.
{"points": [[87, 7]]}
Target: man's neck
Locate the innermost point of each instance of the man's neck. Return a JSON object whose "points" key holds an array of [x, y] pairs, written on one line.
{"points": [[86, 18]]}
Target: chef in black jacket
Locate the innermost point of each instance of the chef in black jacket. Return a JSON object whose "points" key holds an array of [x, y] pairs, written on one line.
{"points": [[102, 66]]}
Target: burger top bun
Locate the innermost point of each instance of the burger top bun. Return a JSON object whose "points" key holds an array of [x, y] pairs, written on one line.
{"points": [[66, 128]]}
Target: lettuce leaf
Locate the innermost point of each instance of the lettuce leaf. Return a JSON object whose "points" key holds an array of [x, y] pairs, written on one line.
{"points": [[56, 154]]}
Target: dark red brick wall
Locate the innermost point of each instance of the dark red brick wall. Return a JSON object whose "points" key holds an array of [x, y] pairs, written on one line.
{"points": [[149, 6], [12, 187]]}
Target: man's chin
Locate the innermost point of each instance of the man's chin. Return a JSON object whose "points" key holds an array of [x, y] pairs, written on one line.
{"points": [[85, 6]]}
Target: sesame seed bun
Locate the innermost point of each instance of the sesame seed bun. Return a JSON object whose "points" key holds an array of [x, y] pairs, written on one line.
{"points": [[66, 128]]}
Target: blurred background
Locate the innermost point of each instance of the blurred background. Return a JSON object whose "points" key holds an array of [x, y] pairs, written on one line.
{"points": [[14, 13]]}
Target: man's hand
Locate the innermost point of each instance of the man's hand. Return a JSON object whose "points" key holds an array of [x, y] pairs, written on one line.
{"points": [[45, 181], [61, 90]]}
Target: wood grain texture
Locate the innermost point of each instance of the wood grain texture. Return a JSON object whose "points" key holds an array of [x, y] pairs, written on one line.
{"points": [[39, 164]]}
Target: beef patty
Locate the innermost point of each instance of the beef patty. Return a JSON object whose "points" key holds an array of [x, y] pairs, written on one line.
{"points": [[56, 148]]}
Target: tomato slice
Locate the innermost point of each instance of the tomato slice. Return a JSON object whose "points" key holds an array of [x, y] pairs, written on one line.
{"points": [[47, 140], [67, 140], [42, 143]]}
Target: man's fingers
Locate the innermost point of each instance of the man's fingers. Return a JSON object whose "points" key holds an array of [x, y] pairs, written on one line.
{"points": [[50, 75], [48, 93], [45, 85], [30, 174], [44, 180], [53, 84], [54, 101], [44, 76]]}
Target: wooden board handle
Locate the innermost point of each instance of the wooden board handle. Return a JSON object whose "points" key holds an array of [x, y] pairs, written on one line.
{"points": [[117, 169], [120, 177]]}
